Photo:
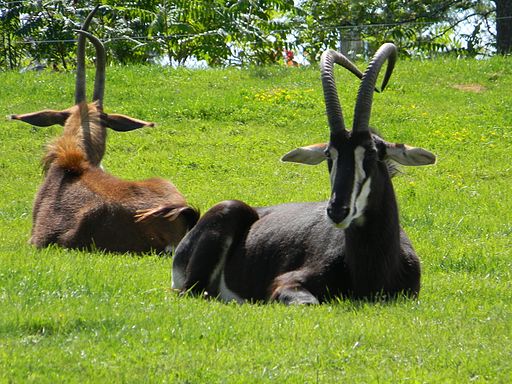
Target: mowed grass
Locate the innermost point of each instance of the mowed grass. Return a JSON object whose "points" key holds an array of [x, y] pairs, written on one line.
{"points": [[71, 316]]}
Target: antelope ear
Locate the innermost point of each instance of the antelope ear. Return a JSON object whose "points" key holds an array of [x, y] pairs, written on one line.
{"points": [[406, 155], [123, 123], [43, 118], [311, 155]]}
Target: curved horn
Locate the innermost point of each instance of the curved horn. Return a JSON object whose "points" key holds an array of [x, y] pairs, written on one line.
{"points": [[332, 103], [364, 101], [99, 79], [80, 94]]}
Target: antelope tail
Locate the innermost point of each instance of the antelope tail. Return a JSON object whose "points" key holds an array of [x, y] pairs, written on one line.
{"points": [[169, 213]]}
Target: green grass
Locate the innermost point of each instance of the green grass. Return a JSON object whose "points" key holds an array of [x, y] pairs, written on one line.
{"points": [[69, 316]]}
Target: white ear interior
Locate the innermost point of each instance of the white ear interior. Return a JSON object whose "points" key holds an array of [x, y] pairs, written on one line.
{"points": [[406, 155], [310, 155]]}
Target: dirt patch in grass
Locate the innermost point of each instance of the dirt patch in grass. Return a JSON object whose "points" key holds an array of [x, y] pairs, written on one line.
{"points": [[475, 88]]}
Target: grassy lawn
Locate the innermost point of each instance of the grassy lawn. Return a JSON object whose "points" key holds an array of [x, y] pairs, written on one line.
{"points": [[70, 316]]}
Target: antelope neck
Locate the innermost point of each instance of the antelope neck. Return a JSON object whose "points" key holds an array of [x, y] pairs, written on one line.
{"points": [[374, 238]]}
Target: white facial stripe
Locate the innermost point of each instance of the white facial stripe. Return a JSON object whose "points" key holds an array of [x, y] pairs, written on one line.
{"points": [[334, 157], [359, 176], [358, 164], [360, 191], [362, 199]]}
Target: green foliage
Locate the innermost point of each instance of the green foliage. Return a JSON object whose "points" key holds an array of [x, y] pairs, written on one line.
{"points": [[41, 32], [242, 33], [137, 32], [10, 23], [70, 316], [418, 27], [221, 31]]}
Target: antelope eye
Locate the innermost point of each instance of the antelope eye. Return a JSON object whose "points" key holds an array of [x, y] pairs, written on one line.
{"points": [[370, 157], [371, 154]]}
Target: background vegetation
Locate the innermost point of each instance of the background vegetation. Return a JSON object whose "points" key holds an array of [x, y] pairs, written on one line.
{"points": [[243, 32], [69, 316]]}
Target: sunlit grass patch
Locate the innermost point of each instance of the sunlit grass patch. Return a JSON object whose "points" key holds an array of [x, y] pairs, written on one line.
{"points": [[71, 316]]}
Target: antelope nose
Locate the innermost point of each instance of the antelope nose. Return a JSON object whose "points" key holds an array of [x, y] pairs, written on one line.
{"points": [[337, 215]]}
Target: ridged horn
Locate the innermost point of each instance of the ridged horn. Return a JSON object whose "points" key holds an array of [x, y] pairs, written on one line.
{"points": [[80, 94], [99, 79], [363, 108], [332, 103]]}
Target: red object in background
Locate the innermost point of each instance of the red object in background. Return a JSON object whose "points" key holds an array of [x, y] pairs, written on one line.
{"points": [[289, 59]]}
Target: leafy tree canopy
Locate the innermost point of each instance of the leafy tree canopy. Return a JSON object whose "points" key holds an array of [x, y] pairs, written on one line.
{"points": [[242, 32]]}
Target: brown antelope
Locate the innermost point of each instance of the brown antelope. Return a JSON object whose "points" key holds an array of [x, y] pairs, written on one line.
{"points": [[305, 253], [81, 206]]}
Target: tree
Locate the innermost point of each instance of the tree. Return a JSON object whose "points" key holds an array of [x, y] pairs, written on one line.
{"points": [[218, 31], [244, 32], [10, 52], [221, 31], [39, 32], [423, 27], [186, 29]]}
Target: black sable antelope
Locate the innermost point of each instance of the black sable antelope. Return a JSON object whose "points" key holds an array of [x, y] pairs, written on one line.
{"points": [[350, 246], [81, 206]]}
